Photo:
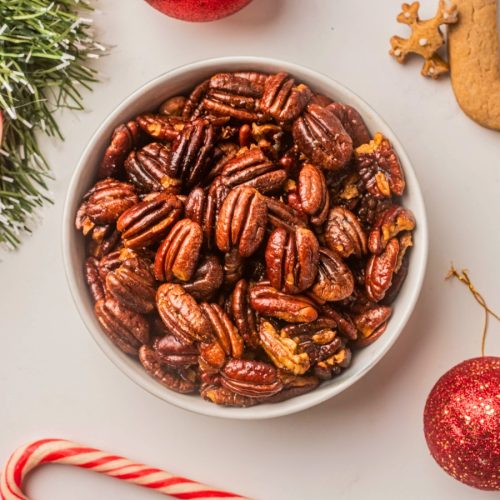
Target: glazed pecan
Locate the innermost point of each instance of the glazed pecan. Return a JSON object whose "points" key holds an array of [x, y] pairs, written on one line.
{"points": [[293, 386], [160, 127], [282, 215], [251, 167], [257, 79], [241, 222], [352, 122], [133, 284], [125, 138], [207, 279], [173, 106], [345, 325], [126, 329], [170, 351], [268, 301], [332, 366], [192, 107], [334, 280], [94, 282], [147, 169], [147, 222], [380, 270], [292, 259], [225, 397], [234, 267], [114, 260], [182, 315], [282, 350], [243, 315], [344, 234], [320, 100], [313, 193], [178, 254], [321, 137], [371, 324], [379, 168], [282, 99], [251, 378], [388, 225], [167, 377]]}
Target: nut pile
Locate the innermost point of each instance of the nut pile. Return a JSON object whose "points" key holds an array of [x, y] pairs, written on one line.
{"points": [[243, 240]]}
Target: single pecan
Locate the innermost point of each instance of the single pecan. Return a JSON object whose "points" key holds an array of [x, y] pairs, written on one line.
{"points": [[282, 215], [207, 279], [192, 107], [379, 168], [212, 358], [344, 234], [126, 329], [371, 324], [94, 282], [125, 138], [293, 386], [114, 260], [161, 127], [268, 301], [133, 284], [352, 122], [332, 366], [334, 280], [313, 193], [147, 169], [257, 79], [241, 222], [389, 224], [103, 240], [179, 252], [165, 376], [173, 106], [380, 270], [282, 99], [182, 315], [292, 259], [251, 378], [243, 315], [251, 167], [320, 136], [234, 268], [170, 351], [225, 397], [282, 350], [398, 279], [345, 325], [150, 220]]}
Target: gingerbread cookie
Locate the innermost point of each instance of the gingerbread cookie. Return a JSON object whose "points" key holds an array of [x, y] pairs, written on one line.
{"points": [[474, 59]]}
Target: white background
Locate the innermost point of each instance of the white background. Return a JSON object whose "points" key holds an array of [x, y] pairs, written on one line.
{"points": [[366, 442]]}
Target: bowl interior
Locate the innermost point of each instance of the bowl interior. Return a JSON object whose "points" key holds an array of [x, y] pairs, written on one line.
{"points": [[149, 97]]}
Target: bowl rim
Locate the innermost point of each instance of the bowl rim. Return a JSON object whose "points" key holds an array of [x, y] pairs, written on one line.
{"points": [[185, 402]]}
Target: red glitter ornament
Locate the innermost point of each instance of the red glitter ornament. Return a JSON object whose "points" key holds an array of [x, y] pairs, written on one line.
{"points": [[462, 422]]}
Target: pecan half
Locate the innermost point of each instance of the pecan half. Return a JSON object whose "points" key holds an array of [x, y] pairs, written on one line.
{"points": [[334, 280], [371, 324], [293, 386], [268, 301], [292, 259], [379, 168], [243, 315], [344, 234], [241, 222], [207, 278], [234, 267], [170, 351], [313, 193], [352, 122], [160, 127], [173, 106], [127, 329], [147, 222], [225, 397], [320, 136], [345, 326], [282, 99], [182, 315], [94, 282], [380, 270], [332, 366], [103, 240], [192, 107], [282, 215], [178, 254]]}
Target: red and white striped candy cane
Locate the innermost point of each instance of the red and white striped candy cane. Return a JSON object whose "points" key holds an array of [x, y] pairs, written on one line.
{"points": [[60, 451]]}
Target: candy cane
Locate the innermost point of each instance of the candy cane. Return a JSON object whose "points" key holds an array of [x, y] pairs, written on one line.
{"points": [[60, 451]]}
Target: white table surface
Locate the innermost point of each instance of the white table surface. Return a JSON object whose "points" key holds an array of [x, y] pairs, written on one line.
{"points": [[368, 441]]}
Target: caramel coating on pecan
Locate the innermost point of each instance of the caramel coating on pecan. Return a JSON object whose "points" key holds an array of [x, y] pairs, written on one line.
{"points": [[380, 270]]}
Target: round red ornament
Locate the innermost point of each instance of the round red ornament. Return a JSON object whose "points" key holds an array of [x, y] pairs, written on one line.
{"points": [[462, 422]]}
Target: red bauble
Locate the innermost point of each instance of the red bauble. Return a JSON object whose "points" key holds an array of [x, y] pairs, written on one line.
{"points": [[198, 10], [462, 422]]}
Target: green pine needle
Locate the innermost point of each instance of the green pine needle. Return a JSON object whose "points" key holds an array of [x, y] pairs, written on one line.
{"points": [[45, 50]]}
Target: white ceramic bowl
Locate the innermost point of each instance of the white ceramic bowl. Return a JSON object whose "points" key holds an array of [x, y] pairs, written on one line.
{"points": [[149, 97]]}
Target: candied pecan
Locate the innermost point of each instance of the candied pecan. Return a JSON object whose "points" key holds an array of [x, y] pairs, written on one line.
{"points": [[182, 315], [167, 377], [398, 279], [125, 138], [243, 315], [282, 99], [327, 369], [335, 280], [344, 234], [389, 224], [371, 324], [170, 351], [352, 122], [147, 222], [147, 169], [251, 378], [320, 100], [192, 107], [292, 259], [293, 386], [380, 270], [241, 222], [207, 278], [160, 127], [133, 284], [257, 79], [178, 254], [103, 240], [283, 215], [212, 358], [268, 301], [313, 193], [94, 282], [113, 260], [234, 266], [369, 208], [225, 397], [223, 152], [173, 106], [251, 167], [282, 350], [379, 168], [405, 242], [126, 329], [321, 137], [192, 152], [345, 326]]}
